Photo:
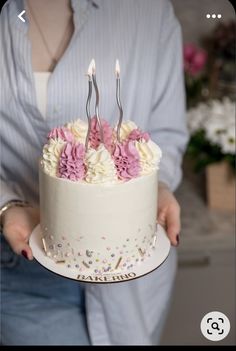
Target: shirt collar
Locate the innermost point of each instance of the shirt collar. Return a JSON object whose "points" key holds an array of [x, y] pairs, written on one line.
{"points": [[81, 9]]}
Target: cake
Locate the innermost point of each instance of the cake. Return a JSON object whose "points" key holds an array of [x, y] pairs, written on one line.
{"points": [[99, 204]]}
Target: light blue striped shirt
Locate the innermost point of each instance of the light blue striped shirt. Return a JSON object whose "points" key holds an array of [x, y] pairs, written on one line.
{"points": [[146, 38]]}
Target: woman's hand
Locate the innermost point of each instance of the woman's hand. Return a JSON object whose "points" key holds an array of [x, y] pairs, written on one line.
{"points": [[18, 223], [168, 213]]}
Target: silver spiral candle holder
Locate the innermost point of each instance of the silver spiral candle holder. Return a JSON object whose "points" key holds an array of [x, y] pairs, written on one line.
{"points": [[118, 100], [97, 104]]}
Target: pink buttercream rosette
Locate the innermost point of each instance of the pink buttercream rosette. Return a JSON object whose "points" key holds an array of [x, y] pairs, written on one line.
{"points": [[71, 163], [126, 159], [95, 135], [62, 133], [139, 135]]}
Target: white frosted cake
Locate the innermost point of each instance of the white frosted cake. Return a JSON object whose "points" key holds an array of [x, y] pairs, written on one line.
{"points": [[99, 203]]}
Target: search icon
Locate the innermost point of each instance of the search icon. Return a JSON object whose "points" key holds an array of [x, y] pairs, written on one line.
{"points": [[215, 325]]}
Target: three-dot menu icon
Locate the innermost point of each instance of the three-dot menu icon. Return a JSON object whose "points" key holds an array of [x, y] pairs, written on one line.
{"points": [[213, 16]]}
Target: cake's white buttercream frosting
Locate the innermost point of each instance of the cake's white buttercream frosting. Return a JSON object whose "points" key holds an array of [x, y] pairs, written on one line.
{"points": [[150, 155], [79, 129], [126, 128], [100, 166], [98, 227], [51, 156]]}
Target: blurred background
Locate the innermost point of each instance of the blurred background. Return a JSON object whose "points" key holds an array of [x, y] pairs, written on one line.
{"points": [[206, 276]]}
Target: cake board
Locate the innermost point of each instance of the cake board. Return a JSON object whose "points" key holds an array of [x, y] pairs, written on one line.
{"points": [[158, 255]]}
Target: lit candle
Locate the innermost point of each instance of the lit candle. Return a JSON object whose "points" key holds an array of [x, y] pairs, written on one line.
{"points": [[97, 100], [117, 71], [90, 72]]}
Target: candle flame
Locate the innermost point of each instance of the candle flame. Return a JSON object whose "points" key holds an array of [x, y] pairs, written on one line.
{"points": [[117, 69], [91, 68]]}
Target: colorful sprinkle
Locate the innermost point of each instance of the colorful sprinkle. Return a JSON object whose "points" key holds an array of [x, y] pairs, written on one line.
{"points": [[118, 263], [85, 264], [59, 245], [141, 252], [44, 244], [89, 253]]}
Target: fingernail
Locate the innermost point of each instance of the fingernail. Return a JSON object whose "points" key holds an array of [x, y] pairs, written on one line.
{"points": [[24, 253], [177, 239]]}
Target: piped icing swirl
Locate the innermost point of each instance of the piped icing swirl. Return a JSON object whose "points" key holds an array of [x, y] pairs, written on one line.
{"points": [[51, 156], [126, 159], [64, 155], [95, 135], [71, 164], [126, 128], [150, 155], [79, 130], [62, 133], [100, 166]]}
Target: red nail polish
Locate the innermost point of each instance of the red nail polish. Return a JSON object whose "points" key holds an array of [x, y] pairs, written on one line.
{"points": [[24, 253], [177, 239]]}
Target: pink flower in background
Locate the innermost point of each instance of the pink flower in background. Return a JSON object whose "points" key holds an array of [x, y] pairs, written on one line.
{"points": [[194, 59], [95, 137], [138, 135], [62, 133], [126, 159], [71, 163]]}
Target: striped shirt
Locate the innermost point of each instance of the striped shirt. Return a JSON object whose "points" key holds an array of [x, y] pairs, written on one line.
{"points": [[146, 38]]}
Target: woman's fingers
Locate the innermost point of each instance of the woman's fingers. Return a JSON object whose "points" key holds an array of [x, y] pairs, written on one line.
{"points": [[20, 246], [18, 223], [173, 224]]}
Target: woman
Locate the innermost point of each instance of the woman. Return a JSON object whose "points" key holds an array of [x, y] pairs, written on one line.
{"points": [[44, 61]]}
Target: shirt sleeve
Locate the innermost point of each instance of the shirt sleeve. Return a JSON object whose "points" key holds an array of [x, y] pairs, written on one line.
{"points": [[9, 191], [167, 123]]}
